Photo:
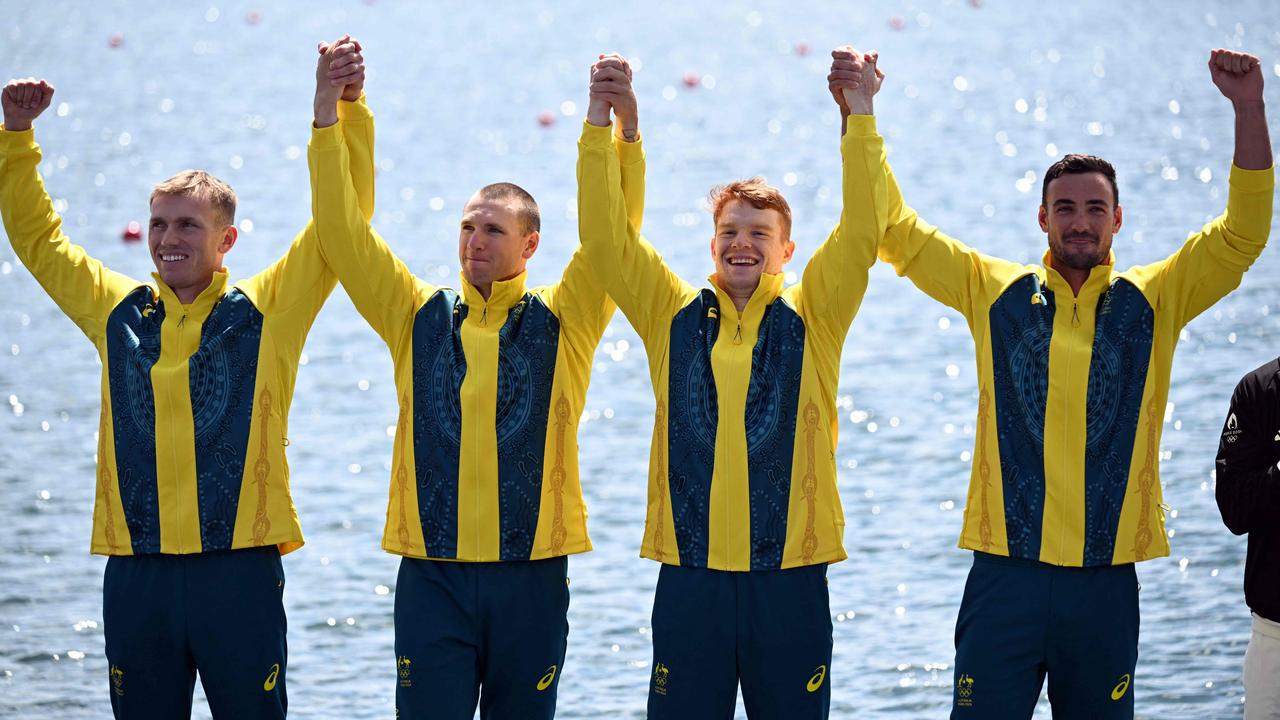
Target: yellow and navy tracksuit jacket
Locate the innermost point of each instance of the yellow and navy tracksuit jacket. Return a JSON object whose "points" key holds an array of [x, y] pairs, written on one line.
{"points": [[195, 398], [742, 471], [485, 465], [1072, 388]]}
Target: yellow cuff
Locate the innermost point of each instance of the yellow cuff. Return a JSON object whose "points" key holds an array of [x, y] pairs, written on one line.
{"points": [[1252, 180], [597, 136], [354, 110], [326, 137]]}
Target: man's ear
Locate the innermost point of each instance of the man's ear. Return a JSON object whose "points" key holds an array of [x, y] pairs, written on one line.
{"points": [[1044, 217], [531, 244], [228, 239]]}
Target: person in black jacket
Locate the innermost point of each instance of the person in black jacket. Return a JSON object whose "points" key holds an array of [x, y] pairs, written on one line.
{"points": [[1248, 495]]}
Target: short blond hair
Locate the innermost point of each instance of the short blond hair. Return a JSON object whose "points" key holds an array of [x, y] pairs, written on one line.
{"points": [[201, 186], [755, 192]]}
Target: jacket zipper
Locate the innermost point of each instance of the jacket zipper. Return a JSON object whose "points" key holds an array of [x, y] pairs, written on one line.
{"points": [[173, 413], [1071, 350]]}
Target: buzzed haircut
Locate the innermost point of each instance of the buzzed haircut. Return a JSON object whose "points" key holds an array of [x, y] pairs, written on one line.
{"points": [[204, 187], [1076, 164], [755, 192], [526, 207]]}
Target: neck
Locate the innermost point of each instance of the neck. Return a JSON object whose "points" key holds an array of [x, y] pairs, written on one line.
{"points": [[1075, 277], [738, 296], [187, 295], [486, 289]]}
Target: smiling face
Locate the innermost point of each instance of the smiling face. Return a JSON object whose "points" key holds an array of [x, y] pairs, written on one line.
{"points": [[749, 241], [188, 238], [493, 241], [1080, 216]]}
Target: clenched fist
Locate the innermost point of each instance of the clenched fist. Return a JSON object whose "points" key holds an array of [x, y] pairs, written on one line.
{"points": [[23, 101]]}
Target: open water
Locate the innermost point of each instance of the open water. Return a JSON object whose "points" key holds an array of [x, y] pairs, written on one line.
{"points": [[981, 97]]}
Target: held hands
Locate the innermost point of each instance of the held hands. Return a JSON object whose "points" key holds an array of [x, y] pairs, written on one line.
{"points": [[23, 101], [1237, 74], [339, 75], [854, 80], [611, 89]]}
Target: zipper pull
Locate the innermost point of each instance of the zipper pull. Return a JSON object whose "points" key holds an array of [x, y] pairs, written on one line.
{"points": [[182, 321], [1075, 314], [484, 315], [737, 336]]}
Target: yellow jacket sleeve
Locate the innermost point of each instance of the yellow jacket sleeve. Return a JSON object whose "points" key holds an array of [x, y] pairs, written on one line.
{"points": [[295, 287], [379, 283], [580, 296], [631, 270], [835, 279], [1212, 261], [944, 268], [84, 288]]}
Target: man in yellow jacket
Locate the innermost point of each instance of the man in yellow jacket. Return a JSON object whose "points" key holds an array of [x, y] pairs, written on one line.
{"points": [[743, 511], [1073, 375], [193, 503], [485, 503]]}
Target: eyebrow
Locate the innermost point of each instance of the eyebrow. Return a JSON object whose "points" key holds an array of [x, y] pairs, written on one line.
{"points": [[187, 218], [749, 226], [1093, 201]]}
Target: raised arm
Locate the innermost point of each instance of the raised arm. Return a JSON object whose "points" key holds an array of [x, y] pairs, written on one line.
{"points": [[1211, 262], [298, 283], [81, 285], [836, 277], [610, 203], [379, 284], [1248, 482], [580, 294], [944, 268]]}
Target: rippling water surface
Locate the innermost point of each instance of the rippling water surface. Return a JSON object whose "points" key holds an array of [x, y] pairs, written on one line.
{"points": [[981, 97]]}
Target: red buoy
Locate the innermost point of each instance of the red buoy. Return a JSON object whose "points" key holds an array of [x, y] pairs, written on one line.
{"points": [[253, 18], [802, 49], [692, 80], [897, 23], [546, 119], [116, 40], [132, 232]]}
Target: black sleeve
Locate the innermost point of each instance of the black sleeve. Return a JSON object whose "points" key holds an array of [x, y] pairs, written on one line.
{"points": [[1248, 482]]}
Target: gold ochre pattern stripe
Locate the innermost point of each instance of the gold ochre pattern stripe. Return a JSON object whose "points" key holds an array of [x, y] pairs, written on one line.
{"points": [[402, 473], [660, 479], [1146, 483], [261, 471], [984, 471], [105, 480], [809, 486], [557, 479]]}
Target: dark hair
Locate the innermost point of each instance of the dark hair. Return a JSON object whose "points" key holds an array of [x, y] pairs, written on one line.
{"points": [[1075, 164], [527, 208]]}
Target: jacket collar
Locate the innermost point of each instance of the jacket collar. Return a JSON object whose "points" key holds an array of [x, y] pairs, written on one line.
{"points": [[770, 287], [1099, 276], [204, 302], [503, 294]]}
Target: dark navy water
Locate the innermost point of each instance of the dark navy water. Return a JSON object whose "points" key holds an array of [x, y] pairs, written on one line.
{"points": [[981, 97]]}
